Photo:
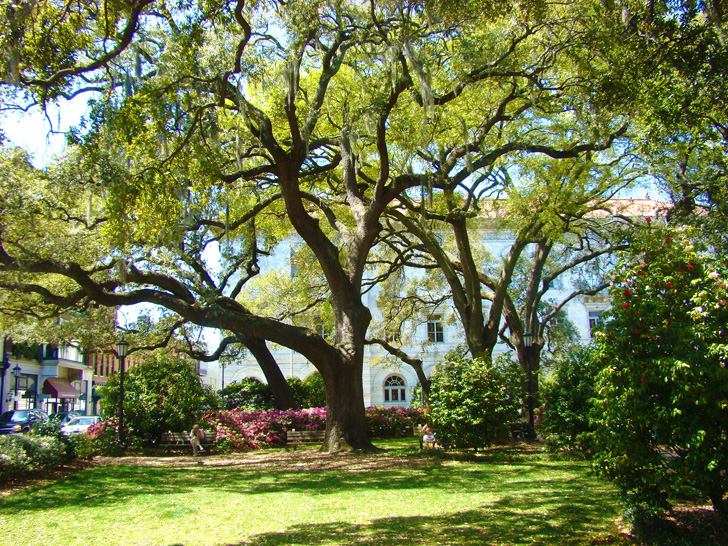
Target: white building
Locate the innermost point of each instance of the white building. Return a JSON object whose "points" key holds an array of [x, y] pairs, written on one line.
{"points": [[386, 380]]}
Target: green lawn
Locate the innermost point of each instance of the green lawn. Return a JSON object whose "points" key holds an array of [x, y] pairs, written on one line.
{"points": [[398, 497]]}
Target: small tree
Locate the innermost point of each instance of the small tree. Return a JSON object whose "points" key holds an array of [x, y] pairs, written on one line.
{"points": [[473, 402], [663, 402], [566, 395], [161, 393], [248, 394], [310, 392]]}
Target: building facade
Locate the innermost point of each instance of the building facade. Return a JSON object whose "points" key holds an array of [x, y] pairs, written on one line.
{"points": [[48, 377], [54, 378], [387, 381]]}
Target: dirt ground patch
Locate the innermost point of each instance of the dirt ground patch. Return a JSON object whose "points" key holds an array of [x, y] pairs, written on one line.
{"points": [[281, 461]]}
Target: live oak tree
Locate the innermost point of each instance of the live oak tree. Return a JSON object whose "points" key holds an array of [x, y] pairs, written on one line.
{"points": [[227, 125], [562, 224]]}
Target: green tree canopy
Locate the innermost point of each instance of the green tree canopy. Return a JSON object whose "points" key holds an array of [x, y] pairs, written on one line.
{"points": [[231, 125]]}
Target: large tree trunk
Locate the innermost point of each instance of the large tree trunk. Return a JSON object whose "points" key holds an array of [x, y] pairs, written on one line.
{"points": [[281, 390], [345, 418]]}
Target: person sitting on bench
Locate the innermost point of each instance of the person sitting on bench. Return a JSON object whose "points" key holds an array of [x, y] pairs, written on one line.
{"points": [[196, 437], [429, 440]]}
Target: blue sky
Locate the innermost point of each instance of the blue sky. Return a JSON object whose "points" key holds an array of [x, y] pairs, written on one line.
{"points": [[41, 134]]}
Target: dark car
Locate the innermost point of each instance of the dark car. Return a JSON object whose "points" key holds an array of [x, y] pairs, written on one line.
{"points": [[63, 417], [17, 421]]}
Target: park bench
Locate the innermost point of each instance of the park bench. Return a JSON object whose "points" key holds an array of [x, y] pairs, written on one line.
{"points": [[519, 430], [303, 437], [170, 440]]}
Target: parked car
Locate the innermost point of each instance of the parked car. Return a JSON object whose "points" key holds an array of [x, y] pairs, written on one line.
{"points": [[18, 421], [63, 417], [79, 424]]}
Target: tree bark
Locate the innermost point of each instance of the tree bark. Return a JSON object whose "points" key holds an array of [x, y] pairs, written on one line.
{"points": [[345, 416], [281, 390]]}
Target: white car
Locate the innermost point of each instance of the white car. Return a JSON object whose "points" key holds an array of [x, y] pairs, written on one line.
{"points": [[79, 424]]}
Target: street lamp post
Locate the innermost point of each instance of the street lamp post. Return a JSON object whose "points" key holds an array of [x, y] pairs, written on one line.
{"points": [[122, 349], [16, 375], [528, 343], [4, 365]]}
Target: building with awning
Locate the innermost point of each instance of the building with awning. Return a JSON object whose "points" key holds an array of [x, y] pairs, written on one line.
{"points": [[57, 387], [48, 377]]}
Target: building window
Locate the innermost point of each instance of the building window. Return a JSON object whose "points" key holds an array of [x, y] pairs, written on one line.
{"points": [[435, 330], [394, 389], [595, 318]]}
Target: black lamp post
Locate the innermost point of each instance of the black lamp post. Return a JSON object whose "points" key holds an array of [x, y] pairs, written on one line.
{"points": [[122, 349], [16, 375], [4, 365], [528, 343]]}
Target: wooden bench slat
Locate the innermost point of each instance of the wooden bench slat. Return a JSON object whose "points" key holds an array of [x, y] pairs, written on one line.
{"points": [[175, 439], [300, 437]]}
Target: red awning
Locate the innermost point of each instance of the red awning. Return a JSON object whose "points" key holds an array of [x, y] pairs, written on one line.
{"points": [[60, 388]]}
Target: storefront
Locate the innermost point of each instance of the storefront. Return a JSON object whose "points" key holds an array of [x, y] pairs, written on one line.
{"points": [[61, 395]]}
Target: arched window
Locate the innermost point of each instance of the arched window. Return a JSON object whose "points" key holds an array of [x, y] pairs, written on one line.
{"points": [[394, 389]]}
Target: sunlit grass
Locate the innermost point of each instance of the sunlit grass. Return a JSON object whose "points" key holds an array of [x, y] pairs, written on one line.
{"points": [[398, 497]]}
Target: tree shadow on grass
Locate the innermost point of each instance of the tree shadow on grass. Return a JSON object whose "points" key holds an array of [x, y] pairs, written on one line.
{"points": [[120, 483], [548, 520], [508, 521]]}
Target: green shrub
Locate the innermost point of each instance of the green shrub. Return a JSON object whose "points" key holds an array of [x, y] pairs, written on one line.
{"points": [[474, 402], [14, 459], [20, 454], [299, 391], [310, 392], [84, 446], [162, 393], [52, 429], [315, 391], [249, 395], [417, 397], [564, 418]]}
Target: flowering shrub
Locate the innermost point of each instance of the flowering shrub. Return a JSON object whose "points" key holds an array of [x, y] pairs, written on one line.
{"points": [[240, 430], [662, 403], [19, 454], [103, 439], [392, 422]]}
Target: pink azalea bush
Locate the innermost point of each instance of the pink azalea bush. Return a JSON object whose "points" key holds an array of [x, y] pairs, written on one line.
{"points": [[241, 430], [392, 422]]}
